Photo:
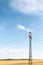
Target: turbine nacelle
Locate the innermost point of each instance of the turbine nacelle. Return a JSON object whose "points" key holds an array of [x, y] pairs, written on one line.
{"points": [[30, 34]]}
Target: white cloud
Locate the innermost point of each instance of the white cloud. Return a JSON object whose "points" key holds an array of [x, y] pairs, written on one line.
{"points": [[23, 28], [27, 6]]}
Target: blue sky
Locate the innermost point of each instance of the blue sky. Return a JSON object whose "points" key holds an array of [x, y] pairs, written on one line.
{"points": [[17, 17]]}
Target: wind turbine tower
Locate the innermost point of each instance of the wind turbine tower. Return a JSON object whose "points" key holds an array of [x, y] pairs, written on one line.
{"points": [[30, 48]]}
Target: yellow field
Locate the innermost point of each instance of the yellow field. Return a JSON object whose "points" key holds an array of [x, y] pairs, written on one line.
{"points": [[37, 62], [20, 62], [14, 62]]}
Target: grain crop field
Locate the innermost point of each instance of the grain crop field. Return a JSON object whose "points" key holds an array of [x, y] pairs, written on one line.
{"points": [[20, 62], [37, 62], [14, 62]]}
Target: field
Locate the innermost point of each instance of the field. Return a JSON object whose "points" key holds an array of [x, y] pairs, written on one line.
{"points": [[20, 62], [14, 62], [37, 62]]}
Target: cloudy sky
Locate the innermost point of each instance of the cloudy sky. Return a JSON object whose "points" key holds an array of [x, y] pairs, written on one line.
{"points": [[17, 17]]}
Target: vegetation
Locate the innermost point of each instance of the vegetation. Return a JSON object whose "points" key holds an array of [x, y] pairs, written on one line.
{"points": [[14, 62], [20, 62]]}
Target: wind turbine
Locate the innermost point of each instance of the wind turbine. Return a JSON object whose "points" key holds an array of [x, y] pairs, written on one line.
{"points": [[30, 44], [30, 47]]}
